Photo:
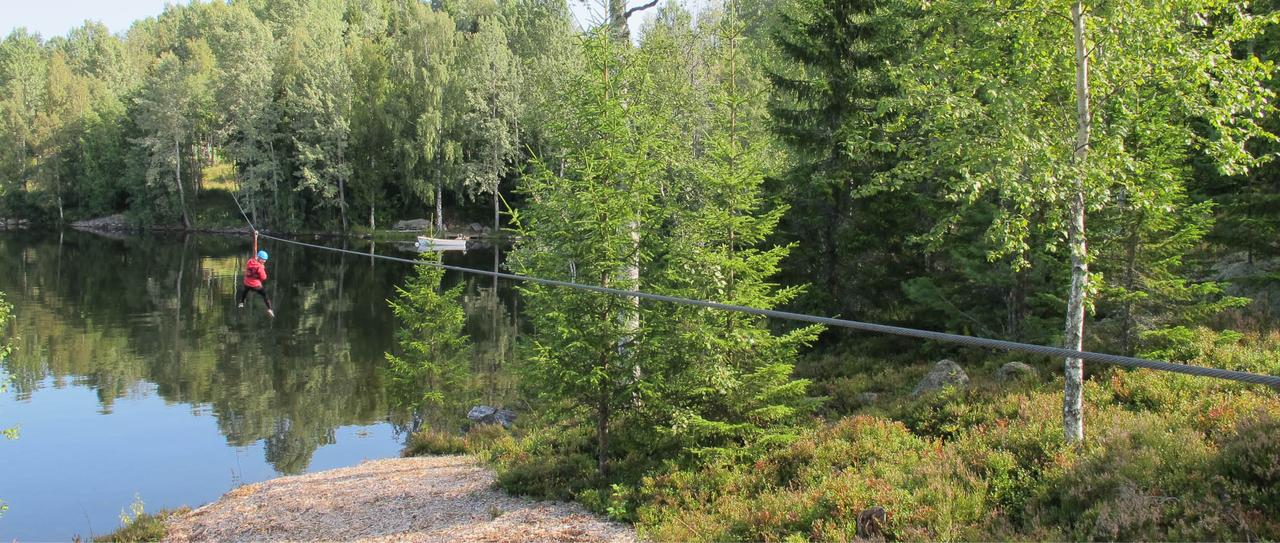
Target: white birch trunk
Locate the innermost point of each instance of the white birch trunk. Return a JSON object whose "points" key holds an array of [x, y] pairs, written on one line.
{"points": [[1072, 403], [618, 19], [439, 206]]}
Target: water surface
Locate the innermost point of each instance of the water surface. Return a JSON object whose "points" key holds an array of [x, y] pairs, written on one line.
{"points": [[135, 375]]}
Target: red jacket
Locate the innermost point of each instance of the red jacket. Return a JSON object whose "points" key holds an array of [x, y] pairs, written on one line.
{"points": [[254, 273]]}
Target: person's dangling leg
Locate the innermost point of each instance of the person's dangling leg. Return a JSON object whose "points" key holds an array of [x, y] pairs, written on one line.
{"points": [[266, 299], [241, 295]]}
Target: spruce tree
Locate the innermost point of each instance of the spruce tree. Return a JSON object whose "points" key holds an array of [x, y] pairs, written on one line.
{"points": [[578, 227], [428, 372], [725, 378], [831, 106]]}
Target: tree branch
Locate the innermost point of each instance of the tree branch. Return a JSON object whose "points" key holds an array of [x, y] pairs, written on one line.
{"points": [[632, 11]]}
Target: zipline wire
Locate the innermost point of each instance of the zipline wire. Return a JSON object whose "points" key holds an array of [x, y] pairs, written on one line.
{"points": [[969, 341]]}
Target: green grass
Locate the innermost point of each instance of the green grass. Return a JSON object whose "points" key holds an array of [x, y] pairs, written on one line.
{"points": [[221, 176], [145, 527], [430, 442], [214, 208], [478, 440]]}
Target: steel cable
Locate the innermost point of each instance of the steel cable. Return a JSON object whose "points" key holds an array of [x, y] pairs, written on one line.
{"points": [[970, 341]]}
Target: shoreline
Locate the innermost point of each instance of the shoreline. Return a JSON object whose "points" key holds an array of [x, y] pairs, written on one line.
{"points": [[116, 224], [428, 498]]}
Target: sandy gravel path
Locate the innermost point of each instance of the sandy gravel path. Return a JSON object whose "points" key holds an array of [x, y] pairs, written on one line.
{"points": [[442, 498]]}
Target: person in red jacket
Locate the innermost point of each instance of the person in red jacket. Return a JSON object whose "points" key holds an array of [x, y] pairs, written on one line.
{"points": [[255, 272]]}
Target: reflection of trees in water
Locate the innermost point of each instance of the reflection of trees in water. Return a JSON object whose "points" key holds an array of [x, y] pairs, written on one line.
{"points": [[111, 314], [493, 327]]}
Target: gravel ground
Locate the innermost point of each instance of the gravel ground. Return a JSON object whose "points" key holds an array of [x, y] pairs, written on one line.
{"points": [[441, 498]]}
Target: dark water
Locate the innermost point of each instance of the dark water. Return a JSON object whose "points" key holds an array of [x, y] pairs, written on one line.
{"points": [[135, 375]]}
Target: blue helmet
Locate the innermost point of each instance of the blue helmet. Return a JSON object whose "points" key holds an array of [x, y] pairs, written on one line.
{"points": [[262, 255]]}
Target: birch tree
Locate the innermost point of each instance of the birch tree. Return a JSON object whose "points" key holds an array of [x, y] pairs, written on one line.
{"points": [[245, 50], [317, 101], [422, 66], [163, 106], [1019, 98], [492, 109]]}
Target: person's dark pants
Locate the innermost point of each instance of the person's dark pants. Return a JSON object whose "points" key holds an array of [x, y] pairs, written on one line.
{"points": [[244, 293]]}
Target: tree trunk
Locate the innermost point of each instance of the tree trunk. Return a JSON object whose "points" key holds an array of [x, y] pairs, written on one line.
{"points": [[631, 315], [342, 201], [177, 177], [618, 19], [1127, 343], [1072, 402], [439, 206], [602, 431]]}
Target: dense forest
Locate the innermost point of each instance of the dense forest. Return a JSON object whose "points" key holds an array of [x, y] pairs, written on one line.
{"points": [[1095, 175]]}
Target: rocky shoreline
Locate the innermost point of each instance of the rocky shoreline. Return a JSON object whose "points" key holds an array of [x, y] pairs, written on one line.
{"points": [[119, 223]]}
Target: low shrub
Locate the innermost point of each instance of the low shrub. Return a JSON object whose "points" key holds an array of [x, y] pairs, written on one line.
{"points": [[143, 527], [1250, 461], [1166, 457], [431, 442], [820, 486]]}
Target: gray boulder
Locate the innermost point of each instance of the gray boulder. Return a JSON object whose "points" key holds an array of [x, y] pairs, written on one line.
{"points": [[945, 373], [411, 224], [483, 414], [867, 398], [475, 227], [1015, 371], [872, 522]]}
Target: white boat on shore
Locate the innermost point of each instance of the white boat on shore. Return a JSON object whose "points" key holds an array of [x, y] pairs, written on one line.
{"points": [[425, 243]]}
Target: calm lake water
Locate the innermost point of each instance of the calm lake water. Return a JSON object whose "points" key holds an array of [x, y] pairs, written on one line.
{"points": [[135, 375]]}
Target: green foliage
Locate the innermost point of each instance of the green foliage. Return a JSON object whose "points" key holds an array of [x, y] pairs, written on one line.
{"points": [[992, 464], [428, 441], [323, 107], [832, 107], [660, 189], [726, 377], [427, 373], [142, 526], [6, 348], [318, 92], [1250, 459], [590, 224], [978, 146], [817, 487], [551, 462], [163, 108]]}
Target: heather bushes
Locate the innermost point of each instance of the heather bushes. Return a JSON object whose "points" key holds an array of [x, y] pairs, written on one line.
{"points": [[1166, 457]]}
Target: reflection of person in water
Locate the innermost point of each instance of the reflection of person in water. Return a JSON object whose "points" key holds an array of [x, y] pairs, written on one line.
{"points": [[255, 272]]}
